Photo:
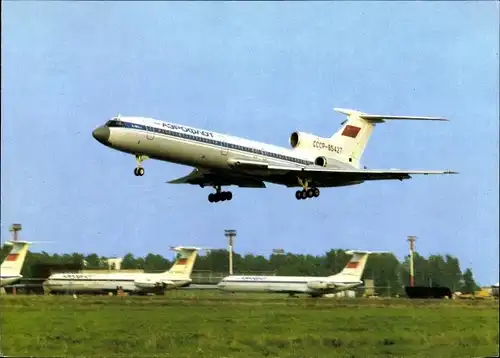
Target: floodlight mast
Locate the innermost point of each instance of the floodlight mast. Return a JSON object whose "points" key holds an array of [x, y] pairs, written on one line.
{"points": [[230, 233], [411, 241], [15, 228]]}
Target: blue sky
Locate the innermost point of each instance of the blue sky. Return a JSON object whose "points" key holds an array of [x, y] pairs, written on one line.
{"points": [[257, 70]]}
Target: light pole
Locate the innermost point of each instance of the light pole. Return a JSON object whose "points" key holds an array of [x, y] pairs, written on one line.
{"points": [[14, 228], [229, 233], [411, 240]]}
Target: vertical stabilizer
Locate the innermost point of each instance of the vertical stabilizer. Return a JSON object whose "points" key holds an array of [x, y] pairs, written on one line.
{"points": [[354, 269], [13, 263], [357, 129], [184, 262]]}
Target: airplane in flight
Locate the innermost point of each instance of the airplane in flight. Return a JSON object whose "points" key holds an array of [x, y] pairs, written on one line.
{"points": [[221, 160], [179, 275], [10, 271], [348, 278]]}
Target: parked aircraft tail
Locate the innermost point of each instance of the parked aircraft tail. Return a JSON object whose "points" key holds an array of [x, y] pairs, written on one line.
{"points": [[353, 270], [184, 262], [13, 263], [356, 130]]}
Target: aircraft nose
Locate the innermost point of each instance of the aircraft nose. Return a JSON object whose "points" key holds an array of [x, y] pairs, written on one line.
{"points": [[101, 134]]}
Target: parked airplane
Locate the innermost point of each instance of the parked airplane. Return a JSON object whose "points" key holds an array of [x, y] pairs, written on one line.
{"points": [[348, 278], [179, 275], [10, 271], [494, 289], [223, 160]]}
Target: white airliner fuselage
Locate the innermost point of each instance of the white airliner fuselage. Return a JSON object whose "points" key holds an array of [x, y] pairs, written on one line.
{"points": [[102, 283], [348, 278], [223, 160], [313, 286], [177, 276]]}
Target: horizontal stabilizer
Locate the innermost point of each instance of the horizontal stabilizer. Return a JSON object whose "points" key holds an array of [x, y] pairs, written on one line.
{"points": [[379, 118], [187, 248], [362, 252]]}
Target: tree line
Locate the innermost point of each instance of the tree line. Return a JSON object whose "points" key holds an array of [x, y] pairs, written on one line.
{"points": [[385, 269]]}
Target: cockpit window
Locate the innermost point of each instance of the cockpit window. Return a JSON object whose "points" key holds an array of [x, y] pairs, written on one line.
{"points": [[114, 122]]}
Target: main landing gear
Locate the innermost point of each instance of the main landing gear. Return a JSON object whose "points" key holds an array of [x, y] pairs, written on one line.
{"points": [[139, 171], [219, 195], [306, 192]]}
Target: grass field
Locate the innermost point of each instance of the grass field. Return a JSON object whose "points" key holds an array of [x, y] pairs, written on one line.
{"points": [[211, 324]]}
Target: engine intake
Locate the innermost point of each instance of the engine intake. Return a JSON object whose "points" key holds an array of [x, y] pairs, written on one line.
{"points": [[294, 139], [321, 161], [300, 140]]}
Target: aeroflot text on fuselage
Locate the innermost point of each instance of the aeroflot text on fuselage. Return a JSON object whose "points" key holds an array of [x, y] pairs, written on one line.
{"points": [[250, 278], [187, 129]]}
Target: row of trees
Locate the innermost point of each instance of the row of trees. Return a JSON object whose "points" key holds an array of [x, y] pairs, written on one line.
{"points": [[385, 269]]}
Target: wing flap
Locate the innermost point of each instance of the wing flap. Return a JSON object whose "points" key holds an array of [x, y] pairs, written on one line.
{"points": [[225, 178], [370, 174]]}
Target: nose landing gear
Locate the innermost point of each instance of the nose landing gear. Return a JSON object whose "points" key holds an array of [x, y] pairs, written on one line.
{"points": [[139, 171]]}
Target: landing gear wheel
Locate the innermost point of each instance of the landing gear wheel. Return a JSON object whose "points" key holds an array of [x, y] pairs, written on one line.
{"points": [[139, 172], [316, 192], [297, 195], [220, 196], [310, 193], [303, 194]]}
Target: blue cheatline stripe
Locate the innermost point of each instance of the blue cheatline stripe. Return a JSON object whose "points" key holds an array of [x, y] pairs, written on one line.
{"points": [[205, 139], [250, 281], [265, 281], [92, 279]]}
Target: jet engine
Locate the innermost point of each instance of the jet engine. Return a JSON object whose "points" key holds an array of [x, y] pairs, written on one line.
{"points": [[319, 285], [300, 140], [147, 283], [321, 161]]}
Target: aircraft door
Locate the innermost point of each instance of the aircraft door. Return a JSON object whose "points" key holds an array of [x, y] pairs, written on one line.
{"points": [[262, 156], [223, 146], [150, 134]]}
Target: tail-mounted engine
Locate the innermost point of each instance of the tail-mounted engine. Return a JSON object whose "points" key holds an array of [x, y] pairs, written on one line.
{"points": [[147, 283], [300, 140], [321, 161], [312, 143], [319, 285]]}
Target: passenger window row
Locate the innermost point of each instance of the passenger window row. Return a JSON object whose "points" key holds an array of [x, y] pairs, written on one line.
{"points": [[115, 123]]}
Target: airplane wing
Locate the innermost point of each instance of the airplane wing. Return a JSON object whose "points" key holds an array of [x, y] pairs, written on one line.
{"points": [[249, 176], [328, 177], [368, 174], [223, 178]]}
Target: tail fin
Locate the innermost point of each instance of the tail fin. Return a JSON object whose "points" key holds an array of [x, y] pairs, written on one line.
{"points": [[354, 269], [356, 130], [13, 263], [184, 262]]}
